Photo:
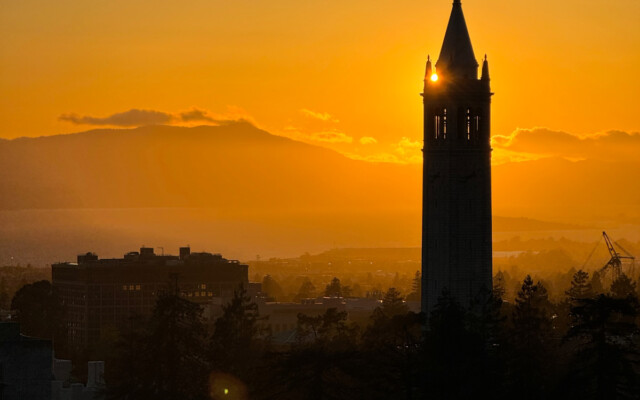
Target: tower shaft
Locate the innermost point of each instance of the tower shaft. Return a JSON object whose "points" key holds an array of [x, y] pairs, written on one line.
{"points": [[456, 233]]}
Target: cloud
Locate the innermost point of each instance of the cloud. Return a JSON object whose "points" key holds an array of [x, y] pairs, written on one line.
{"points": [[330, 137], [406, 145], [196, 115], [379, 157], [141, 117], [133, 117], [324, 136], [368, 140], [318, 115], [544, 142]]}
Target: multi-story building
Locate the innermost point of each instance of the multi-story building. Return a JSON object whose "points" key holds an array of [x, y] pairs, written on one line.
{"points": [[101, 295]]}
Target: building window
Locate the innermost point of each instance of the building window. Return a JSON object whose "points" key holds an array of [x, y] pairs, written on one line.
{"points": [[124, 287], [468, 123], [131, 287], [444, 123], [137, 287], [440, 124]]}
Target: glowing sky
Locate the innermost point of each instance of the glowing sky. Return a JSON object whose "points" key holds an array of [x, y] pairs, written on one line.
{"points": [[345, 74]]}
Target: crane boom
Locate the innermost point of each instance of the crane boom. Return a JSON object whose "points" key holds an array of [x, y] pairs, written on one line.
{"points": [[612, 250], [615, 262]]}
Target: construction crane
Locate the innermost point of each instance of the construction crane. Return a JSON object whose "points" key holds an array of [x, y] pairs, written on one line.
{"points": [[615, 263]]}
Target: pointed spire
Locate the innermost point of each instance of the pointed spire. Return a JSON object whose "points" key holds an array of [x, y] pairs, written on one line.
{"points": [[457, 57], [485, 69], [429, 71]]}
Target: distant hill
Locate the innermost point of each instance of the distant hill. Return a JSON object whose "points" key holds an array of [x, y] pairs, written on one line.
{"points": [[234, 167], [241, 191]]}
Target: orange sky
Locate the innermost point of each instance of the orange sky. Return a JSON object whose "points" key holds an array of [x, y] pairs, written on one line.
{"points": [[344, 74]]}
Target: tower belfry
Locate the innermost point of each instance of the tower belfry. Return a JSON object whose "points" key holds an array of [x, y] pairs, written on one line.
{"points": [[456, 216]]}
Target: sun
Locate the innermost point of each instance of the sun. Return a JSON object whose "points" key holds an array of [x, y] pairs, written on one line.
{"points": [[434, 77]]}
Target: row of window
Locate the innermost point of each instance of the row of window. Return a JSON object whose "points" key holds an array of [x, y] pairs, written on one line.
{"points": [[472, 121], [197, 294]]}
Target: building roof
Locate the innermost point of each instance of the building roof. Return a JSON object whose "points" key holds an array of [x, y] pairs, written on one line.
{"points": [[457, 56]]}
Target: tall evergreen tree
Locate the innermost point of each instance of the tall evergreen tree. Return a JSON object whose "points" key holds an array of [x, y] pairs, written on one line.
{"points": [[623, 287], [164, 360], [240, 341], [531, 342], [334, 288], [606, 360]]}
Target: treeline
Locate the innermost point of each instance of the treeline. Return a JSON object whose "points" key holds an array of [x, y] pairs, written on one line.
{"points": [[584, 347]]}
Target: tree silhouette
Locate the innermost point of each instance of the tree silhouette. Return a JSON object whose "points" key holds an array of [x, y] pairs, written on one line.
{"points": [[623, 287], [325, 361], [306, 291], [272, 288], [393, 342], [531, 340], [239, 341], [393, 304], [40, 312], [596, 283], [164, 360], [581, 287], [606, 360], [333, 289], [416, 287]]}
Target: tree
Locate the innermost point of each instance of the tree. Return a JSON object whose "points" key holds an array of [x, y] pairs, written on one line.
{"points": [[416, 288], [272, 288], [333, 289], [596, 283], [581, 287], [606, 360], [40, 311], [393, 342], [531, 339], [393, 304], [306, 291], [164, 360], [623, 287], [239, 342], [4, 294], [324, 362]]}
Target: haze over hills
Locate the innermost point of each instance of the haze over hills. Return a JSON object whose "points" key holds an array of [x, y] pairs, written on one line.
{"points": [[239, 190], [228, 167]]}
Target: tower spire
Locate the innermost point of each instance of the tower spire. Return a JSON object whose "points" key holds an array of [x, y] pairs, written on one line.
{"points": [[485, 69], [456, 56]]}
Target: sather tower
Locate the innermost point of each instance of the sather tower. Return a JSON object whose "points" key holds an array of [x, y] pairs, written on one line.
{"points": [[456, 213]]}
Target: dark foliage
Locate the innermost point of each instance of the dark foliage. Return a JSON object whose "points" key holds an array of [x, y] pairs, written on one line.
{"points": [[584, 347], [40, 311]]}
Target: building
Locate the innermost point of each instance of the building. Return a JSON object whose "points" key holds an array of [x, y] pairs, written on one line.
{"points": [[25, 365], [101, 295], [63, 387], [456, 219]]}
